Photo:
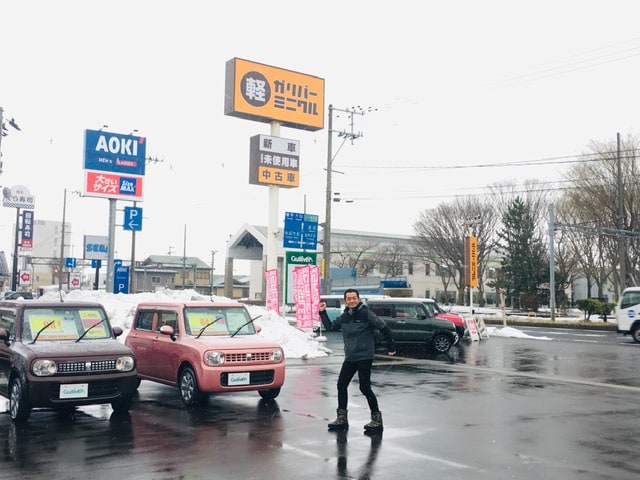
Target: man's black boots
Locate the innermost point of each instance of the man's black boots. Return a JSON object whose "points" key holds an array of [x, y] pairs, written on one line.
{"points": [[341, 422], [375, 425]]}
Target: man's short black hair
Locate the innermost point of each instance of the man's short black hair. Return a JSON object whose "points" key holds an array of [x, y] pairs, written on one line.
{"points": [[351, 290]]}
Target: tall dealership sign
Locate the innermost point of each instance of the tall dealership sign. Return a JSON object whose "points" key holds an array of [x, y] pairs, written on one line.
{"points": [[279, 97], [274, 161], [114, 165], [471, 261], [263, 93]]}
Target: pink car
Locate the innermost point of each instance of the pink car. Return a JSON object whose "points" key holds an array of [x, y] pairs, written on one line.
{"points": [[204, 347]]}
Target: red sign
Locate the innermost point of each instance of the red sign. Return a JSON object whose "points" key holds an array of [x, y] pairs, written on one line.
{"points": [[75, 282], [25, 278], [113, 185]]}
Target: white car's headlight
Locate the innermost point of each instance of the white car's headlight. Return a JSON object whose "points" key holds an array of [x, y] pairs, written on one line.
{"points": [[213, 358], [125, 364], [44, 368], [277, 355]]}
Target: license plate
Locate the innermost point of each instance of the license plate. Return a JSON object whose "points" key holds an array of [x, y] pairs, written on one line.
{"points": [[74, 390], [238, 379]]}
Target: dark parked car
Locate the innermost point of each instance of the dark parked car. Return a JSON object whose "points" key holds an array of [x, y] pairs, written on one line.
{"points": [[335, 305], [411, 324], [62, 355], [11, 295]]}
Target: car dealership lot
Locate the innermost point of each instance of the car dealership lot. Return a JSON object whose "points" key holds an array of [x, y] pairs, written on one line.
{"points": [[500, 408]]}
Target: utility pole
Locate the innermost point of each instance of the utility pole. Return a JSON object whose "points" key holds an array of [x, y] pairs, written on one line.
{"points": [[132, 268], [345, 135], [620, 224], [213, 256], [184, 256], [552, 265], [61, 261]]}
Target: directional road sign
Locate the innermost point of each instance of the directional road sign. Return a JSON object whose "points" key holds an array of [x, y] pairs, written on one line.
{"points": [[300, 231]]}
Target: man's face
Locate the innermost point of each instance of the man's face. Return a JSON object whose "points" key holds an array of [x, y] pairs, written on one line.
{"points": [[352, 299]]}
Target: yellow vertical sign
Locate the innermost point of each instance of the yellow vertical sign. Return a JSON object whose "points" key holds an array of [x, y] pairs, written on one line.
{"points": [[471, 261]]}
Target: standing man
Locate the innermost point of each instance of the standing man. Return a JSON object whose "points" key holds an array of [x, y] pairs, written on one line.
{"points": [[358, 326]]}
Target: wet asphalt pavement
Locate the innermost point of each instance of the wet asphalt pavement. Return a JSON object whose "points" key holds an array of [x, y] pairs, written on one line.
{"points": [[502, 408]]}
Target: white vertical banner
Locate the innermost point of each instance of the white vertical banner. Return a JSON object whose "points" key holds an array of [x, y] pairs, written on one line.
{"points": [[470, 323], [75, 280], [273, 296]]}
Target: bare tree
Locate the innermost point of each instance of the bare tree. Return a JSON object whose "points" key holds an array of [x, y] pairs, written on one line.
{"points": [[392, 259], [593, 200], [445, 274], [351, 254], [440, 236]]}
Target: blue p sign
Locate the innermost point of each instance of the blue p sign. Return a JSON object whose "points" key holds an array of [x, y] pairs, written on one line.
{"points": [[132, 218]]}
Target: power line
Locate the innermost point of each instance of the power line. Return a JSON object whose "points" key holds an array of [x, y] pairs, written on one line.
{"points": [[561, 160], [580, 64]]}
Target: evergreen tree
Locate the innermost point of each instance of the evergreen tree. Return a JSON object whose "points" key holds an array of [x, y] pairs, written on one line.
{"points": [[523, 263]]}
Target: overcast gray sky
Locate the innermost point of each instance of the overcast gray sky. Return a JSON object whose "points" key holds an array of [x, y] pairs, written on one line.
{"points": [[451, 84]]}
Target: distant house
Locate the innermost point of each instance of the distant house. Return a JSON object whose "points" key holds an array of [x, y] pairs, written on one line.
{"points": [[182, 273]]}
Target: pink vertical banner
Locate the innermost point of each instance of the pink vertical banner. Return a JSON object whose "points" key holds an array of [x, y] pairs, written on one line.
{"points": [[302, 296], [272, 287], [314, 285]]}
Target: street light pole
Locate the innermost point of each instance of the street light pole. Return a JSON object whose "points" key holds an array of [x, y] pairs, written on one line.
{"points": [[472, 225], [14, 279]]}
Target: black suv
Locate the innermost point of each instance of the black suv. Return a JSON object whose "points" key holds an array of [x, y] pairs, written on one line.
{"points": [[62, 355], [411, 324]]}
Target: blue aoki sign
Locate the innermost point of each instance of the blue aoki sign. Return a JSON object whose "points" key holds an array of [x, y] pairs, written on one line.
{"points": [[114, 152]]}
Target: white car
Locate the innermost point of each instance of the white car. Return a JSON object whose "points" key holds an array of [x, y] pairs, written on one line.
{"points": [[628, 313]]}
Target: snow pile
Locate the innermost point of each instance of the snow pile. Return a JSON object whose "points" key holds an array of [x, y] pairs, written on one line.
{"points": [[120, 307]]}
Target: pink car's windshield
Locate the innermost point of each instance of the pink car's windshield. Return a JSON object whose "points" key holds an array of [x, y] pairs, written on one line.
{"points": [[207, 321]]}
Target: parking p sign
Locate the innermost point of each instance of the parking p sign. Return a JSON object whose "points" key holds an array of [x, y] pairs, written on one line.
{"points": [[132, 218]]}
